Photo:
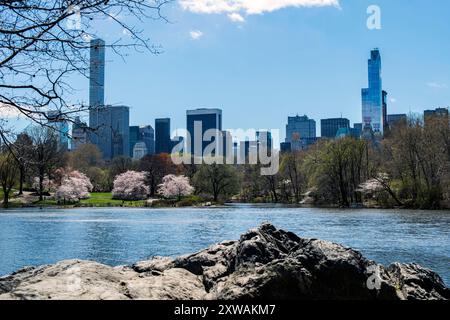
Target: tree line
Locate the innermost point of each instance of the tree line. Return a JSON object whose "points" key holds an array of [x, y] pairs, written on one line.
{"points": [[410, 168]]}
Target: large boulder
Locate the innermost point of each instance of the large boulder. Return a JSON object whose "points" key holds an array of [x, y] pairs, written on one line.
{"points": [[265, 263]]}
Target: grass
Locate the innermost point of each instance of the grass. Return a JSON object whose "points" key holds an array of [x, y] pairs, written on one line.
{"points": [[105, 199]]}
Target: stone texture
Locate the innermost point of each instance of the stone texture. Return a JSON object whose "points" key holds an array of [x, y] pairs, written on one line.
{"points": [[265, 263]]}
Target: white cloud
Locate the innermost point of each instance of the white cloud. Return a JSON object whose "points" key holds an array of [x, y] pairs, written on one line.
{"points": [[236, 17], [196, 34], [250, 6], [436, 85]]}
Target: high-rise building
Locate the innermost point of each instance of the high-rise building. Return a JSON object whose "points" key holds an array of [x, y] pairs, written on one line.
{"points": [[437, 113], [61, 127], [372, 97], [110, 130], [134, 138], [357, 130], [147, 134], [300, 132], [139, 150], [97, 73], [163, 144], [396, 119], [198, 122], [79, 134], [330, 127]]}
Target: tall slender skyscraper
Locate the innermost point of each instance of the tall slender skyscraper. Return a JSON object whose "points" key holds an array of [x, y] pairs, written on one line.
{"points": [[372, 97], [97, 74]]}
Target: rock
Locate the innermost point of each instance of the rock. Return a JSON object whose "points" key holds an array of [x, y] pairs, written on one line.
{"points": [[265, 263]]}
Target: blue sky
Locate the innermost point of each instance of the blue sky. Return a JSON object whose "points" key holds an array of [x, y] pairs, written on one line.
{"points": [[294, 60]]}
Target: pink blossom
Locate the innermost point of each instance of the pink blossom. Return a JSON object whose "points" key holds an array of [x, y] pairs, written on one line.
{"points": [[175, 186], [130, 186]]}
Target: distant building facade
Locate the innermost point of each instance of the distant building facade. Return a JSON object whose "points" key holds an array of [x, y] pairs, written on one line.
{"points": [[372, 97], [439, 112], [163, 144], [300, 132], [79, 134], [139, 150], [144, 134], [330, 127], [110, 130], [199, 121], [61, 127], [396, 119]]}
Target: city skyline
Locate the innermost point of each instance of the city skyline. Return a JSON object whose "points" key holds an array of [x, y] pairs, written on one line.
{"points": [[285, 59]]}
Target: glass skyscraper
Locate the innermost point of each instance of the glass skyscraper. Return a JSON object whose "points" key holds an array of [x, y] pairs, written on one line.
{"points": [[97, 74], [372, 97], [300, 132]]}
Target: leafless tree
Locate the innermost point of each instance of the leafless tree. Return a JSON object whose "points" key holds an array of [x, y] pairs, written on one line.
{"points": [[44, 43]]}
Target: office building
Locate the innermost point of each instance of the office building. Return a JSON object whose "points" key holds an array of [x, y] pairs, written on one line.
{"points": [[330, 127], [58, 122], [198, 122], [357, 130], [139, 150], [372, 97], [97, 73], [79, 134], [396, 119], [437, 113], [144, 134], [300, 132], [163, 144], [110, 130]]}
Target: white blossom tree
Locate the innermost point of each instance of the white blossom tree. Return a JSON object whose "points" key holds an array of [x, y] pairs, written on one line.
{"points": [[74, 187], [130, 186], [175, 186]]}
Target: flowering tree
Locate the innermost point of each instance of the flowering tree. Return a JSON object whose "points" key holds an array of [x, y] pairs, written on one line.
{"points": [[130, 186], [175, 186], [74, 187], [47, 184]]}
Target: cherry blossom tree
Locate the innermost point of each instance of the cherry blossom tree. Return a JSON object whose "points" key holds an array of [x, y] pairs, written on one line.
{"points": [[175, 186], [74, 187], [130, 186], [47, 184]]}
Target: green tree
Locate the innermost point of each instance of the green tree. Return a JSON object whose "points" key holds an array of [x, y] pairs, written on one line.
{"points": [[9, 171], [220, 181]]}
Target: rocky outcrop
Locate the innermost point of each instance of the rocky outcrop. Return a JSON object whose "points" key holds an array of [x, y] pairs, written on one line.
{"points": [[266, 263]]}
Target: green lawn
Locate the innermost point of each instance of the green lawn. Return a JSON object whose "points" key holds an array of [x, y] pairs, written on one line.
{"points": [[104, 199]]}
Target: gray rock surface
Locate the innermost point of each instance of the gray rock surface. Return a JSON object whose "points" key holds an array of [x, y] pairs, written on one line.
{"points": [[265, 263]]}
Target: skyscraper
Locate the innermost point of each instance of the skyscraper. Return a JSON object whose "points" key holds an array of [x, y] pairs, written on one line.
{"points": [[110, 130], [58, 122], [97, 74], [330, 127], [372, 97], [145, 135], [198, 122], [163, 144], [79, 134], [300, 132]]}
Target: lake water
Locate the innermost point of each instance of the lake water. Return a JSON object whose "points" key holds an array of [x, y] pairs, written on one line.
{"points": [[123, 236]]}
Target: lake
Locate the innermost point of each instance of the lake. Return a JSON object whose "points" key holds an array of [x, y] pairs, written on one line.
{"points": [[117, 236]]}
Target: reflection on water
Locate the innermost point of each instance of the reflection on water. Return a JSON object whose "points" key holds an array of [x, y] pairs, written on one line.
{"points": [[123, 236]]}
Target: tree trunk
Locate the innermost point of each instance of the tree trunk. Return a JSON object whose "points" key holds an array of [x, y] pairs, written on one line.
{"points": [[22, 177], [5, 199], [41, 187]]}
